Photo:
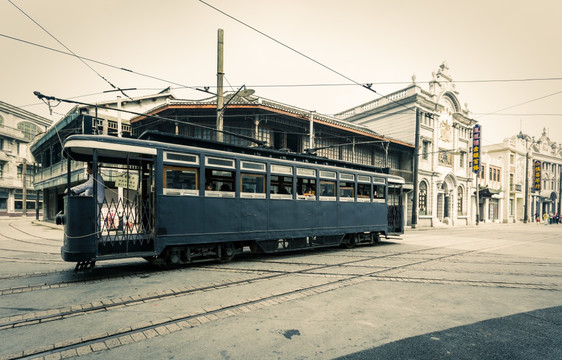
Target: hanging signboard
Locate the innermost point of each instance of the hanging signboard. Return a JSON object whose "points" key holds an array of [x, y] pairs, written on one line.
{"points": [[132, 183], [476, 136], [537, 171]]}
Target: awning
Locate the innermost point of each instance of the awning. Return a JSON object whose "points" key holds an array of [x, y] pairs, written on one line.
{"points": [[487, 192]]}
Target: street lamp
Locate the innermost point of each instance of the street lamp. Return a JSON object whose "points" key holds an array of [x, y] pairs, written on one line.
{"points": [[526, 138]]}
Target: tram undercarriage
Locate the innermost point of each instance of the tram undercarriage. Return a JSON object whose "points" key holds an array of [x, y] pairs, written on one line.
{"points": [[190, 254]]}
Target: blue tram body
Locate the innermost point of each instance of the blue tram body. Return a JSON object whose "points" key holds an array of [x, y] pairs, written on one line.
{"points": [[187, 199]]}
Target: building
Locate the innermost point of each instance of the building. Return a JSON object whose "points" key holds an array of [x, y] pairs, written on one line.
{"points": [[515, 157], [246, 119], [546, 197], [18, 128], [50, 177], [493, 202], [436, 120]]}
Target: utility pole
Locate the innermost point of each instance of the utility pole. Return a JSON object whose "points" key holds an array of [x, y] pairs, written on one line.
{"points": [[119, 124], [220, 76], [24, 187], [415, 170], [311, 131]]}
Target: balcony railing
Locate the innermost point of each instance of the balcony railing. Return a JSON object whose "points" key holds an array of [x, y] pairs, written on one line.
{"points": [[56, 170]]}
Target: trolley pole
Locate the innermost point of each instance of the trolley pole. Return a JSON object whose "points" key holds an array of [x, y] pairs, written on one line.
{"points": [[220, 76]]}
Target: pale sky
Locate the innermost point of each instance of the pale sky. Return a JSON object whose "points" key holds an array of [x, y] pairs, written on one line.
{"points": [[368, 41]]}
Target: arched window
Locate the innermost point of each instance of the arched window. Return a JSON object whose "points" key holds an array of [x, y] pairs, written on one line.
{"points": [[423, 198], [29, 129], [460, 201]]}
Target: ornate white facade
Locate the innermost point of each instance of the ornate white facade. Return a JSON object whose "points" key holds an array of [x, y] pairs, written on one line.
{"points": [[512, 154], [445, 180]]}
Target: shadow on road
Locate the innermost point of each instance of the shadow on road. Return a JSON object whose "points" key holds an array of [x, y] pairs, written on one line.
{"points": [[531, 335]]}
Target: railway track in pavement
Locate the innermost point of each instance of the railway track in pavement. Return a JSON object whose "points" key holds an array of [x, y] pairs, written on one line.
{"points": [[324, 281]]}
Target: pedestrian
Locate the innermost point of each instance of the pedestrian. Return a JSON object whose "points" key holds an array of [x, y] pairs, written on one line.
{"points": [[557, 218], [545, 218], [537, 219]]}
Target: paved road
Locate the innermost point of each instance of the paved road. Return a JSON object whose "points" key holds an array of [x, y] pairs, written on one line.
{"points": [[492, 292]]}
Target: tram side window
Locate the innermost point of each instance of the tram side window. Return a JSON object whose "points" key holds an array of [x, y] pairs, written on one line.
{"points": [[364, 191], [219, 180], [306, 187], [282, 185], [252, 183], [379, 191], [328, 188], [347, 189], [180, 180]]}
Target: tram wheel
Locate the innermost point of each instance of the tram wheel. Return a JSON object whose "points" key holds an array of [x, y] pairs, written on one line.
{"points": [[351, 241], [375, 238], [227, 253]]}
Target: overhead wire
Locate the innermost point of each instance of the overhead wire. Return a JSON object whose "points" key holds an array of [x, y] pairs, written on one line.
{"points": [[67, 48], [366, 86], [105, 64]]}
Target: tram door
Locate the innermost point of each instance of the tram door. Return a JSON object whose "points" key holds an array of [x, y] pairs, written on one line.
{"points": [[395, 210]]}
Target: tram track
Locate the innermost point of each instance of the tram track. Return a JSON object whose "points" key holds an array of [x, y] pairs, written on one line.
{"points": [[83, 309], [162, 327], [313, 270], [140, 332], [33, 235]]}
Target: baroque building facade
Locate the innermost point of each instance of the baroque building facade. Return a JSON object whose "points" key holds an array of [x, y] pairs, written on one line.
{"points": [[518, 155], [436, 120], [18, 128]]}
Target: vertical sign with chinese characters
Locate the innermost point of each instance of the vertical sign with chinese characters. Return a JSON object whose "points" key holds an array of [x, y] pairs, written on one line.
{"points": [[537, 171], [476, 136]]}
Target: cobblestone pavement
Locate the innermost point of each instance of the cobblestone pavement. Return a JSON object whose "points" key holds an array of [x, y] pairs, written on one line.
{"points": [[492, 291]]}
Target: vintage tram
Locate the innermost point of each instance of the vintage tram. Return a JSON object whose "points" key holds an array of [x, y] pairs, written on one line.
{"points": [[175, 200]]}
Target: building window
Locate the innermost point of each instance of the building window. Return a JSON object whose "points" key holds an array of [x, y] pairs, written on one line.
{"points": [[462, 159], [425, 149], [460, 200], [1, 170], [423, 198], [29, 129], [510, 207]]}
